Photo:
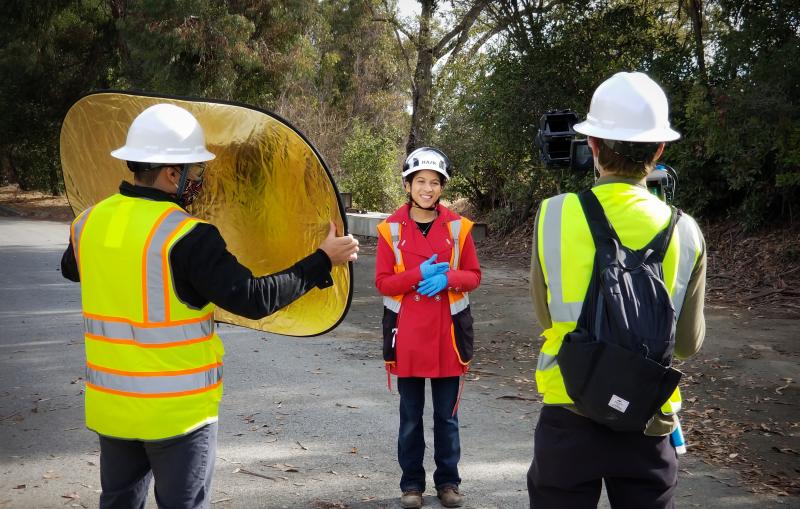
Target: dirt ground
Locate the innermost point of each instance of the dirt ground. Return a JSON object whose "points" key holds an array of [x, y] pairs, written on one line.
{"points": [[742, 400]]}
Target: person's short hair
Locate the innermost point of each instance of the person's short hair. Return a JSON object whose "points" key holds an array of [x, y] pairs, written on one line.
{"points": [[632, 160], [145, 173]]}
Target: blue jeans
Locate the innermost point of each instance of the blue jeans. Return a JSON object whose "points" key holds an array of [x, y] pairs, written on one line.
{"points": [[411, 439]]}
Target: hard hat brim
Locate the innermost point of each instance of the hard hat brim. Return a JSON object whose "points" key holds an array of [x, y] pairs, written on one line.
{"points": [[425, 167], [658, 135], [141, 156]]}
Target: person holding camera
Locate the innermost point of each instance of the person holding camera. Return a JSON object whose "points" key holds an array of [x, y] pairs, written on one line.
{"points": [[618, 282], [425, 264]]}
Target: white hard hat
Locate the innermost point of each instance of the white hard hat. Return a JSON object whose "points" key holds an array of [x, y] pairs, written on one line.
{"points": [[164, 133], [426, 158], [629, 106]]}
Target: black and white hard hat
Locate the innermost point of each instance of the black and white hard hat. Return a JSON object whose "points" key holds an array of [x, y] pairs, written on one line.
{"points": [[427, 158]]}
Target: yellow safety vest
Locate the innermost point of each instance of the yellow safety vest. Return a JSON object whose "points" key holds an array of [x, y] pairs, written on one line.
{"points": [[153, 363], [566, 254], [459, 231]]}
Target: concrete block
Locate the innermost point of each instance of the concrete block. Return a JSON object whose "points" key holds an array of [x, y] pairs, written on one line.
{"points": [[364, 224]]}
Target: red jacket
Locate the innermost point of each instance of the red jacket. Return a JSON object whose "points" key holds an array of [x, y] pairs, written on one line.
{"points": [[423, 335]]}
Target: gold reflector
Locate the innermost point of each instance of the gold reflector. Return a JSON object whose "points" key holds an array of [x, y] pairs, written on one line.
{"points": [[268, 191]]}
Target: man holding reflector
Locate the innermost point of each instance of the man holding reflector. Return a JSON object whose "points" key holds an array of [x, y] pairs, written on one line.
{"points": [[151, 275]]}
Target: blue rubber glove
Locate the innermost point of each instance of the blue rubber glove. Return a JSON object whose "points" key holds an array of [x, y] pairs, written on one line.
{"points": [[433, 285], [428, 268]]}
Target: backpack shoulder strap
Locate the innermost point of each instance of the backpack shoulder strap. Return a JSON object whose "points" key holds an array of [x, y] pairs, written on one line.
{"points": [[598, 222], [656, 249]]}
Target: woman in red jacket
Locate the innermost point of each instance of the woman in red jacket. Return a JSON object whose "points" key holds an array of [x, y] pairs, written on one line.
{"points": [[426, 263]]}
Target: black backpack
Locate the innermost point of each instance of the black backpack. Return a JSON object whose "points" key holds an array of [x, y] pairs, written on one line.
{"points": [[616, 363]]}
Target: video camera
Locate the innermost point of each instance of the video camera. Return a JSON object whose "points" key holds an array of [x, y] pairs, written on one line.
{"points": [[559, 148]]}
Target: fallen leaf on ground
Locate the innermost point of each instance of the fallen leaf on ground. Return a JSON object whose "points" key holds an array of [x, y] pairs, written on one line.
{"points": [[519, 398], [284, 467], [785, 450], [249, 472]]}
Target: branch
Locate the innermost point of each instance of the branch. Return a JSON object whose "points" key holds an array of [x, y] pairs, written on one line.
{"points": [[488, 35], [516, 14], [461, 30], [392, 20], [398, 28]]}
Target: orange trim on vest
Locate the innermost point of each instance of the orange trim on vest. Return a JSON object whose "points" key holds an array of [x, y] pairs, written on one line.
{"points": [[148, 324], [147, 242], [148, 396], [153, 373], [466, 228], [385, 230], [118, 341], [76, 242], [165, 266], [455, 348]]}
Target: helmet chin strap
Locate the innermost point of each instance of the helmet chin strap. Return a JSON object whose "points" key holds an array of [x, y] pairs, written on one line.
{"points": [[182, 182], [415, 204]]}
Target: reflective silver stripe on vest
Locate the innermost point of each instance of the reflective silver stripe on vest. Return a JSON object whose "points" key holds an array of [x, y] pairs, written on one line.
{"points": [[156, 307], [77, 232], [394, 228], [687, 238], [560, 311], [154, 384], [149, 335], [459, 305], [455, 231], [391, 304], [546, 361]]}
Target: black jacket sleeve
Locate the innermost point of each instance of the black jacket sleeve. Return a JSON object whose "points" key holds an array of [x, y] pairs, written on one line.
{"points": [[205, 271], [69, 266]]}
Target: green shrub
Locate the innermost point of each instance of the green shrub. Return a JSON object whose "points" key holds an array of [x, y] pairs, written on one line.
{"points": [[371, 170]]}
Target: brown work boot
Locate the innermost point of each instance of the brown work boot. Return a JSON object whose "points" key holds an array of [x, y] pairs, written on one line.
{"points": [[449, 496], [411, 499]]}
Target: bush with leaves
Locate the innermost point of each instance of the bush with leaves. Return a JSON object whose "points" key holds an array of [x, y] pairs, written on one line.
{"points": [[371, 169]]}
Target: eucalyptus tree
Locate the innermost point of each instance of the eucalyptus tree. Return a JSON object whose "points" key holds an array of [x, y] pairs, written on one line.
{"points": [[430, 43]]}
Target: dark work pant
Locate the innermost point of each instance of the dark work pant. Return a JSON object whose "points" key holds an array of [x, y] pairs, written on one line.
{"points": [[573, 455], [182, 468], [411, 439]]}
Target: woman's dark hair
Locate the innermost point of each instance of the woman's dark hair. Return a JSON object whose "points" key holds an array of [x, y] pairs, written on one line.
{"points": [[410, 177]]}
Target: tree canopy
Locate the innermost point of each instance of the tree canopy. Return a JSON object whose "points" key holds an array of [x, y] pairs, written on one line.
{"points": [[472, 77]]}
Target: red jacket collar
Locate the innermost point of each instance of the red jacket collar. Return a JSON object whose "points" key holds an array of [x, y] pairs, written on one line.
{"points": [[402, 214]]}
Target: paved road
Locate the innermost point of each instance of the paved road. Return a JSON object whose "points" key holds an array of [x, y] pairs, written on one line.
{"points": [[312, 415]]}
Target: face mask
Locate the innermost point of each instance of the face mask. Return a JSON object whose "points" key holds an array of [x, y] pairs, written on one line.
{"points": [[596, 169], [193, 188]]}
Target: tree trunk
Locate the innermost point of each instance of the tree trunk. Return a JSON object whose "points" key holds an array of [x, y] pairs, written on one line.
{"points": [[422, 87], [695, 10], [6, 170]]}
